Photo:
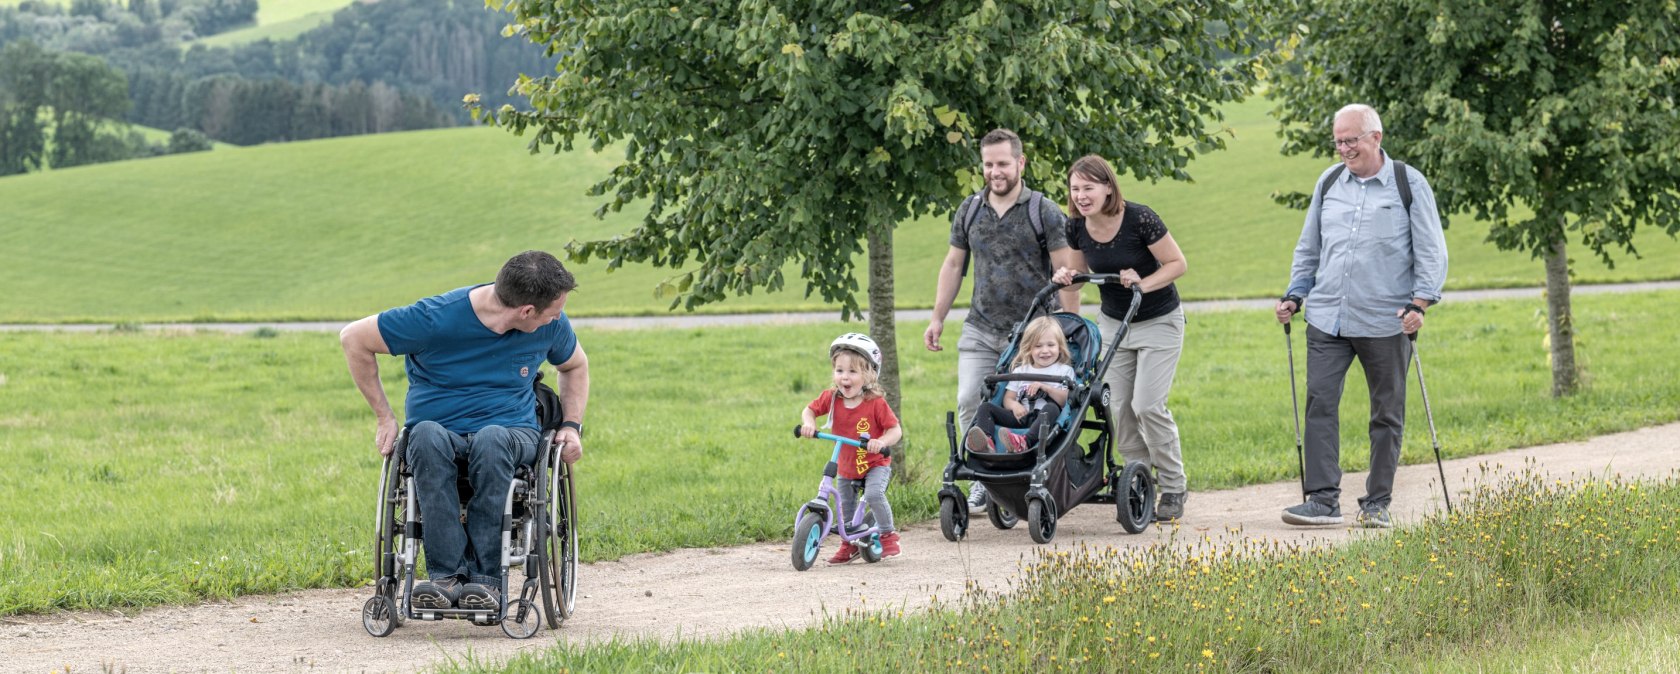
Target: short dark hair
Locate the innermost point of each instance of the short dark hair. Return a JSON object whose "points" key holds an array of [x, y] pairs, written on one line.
{"points": [[533, 277], [996, 136], [1096, 169]]}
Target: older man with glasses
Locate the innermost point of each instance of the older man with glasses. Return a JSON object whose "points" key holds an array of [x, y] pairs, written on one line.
{"points": [[1370, 261]]}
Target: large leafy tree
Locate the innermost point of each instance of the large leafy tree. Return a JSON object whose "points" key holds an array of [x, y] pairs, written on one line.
{"points": [[1566, 108], [760, 133]]}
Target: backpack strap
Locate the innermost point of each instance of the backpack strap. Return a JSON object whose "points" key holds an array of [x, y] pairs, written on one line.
{"points": [[973, 204]]}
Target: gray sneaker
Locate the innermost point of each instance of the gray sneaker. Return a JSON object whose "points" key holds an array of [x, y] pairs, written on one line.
{"points": [[977, 498], [1171, 507], [1374, 517], [1313, 512], [436, 594], [481, 597]]}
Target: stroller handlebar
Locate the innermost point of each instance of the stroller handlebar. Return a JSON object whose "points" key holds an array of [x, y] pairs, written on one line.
{"points": [[1044, 378]]}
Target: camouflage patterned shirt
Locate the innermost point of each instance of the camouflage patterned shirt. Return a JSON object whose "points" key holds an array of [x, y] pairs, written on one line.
{"points": [[1008, 266]]}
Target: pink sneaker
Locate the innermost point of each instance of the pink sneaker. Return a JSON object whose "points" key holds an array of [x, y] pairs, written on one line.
{"points": [[1016, 443], [846, 553]]}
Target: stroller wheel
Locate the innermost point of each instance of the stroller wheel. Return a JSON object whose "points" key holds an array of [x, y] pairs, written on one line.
{"points": [[1041, 521], [1000, 517], [1134, 497], [953, 519]]}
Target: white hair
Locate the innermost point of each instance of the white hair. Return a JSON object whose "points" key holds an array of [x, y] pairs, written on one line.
{"points": [[1368, 119]]}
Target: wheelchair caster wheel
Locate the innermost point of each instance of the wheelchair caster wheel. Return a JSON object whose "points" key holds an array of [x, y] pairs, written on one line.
{"points": [[522, 619], [379, 617]]}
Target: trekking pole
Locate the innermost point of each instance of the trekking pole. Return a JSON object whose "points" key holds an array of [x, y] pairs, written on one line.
{"points": [[1295, 399], [1430, 414]]}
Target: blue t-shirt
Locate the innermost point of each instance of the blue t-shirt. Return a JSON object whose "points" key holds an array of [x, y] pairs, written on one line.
{"points": [[461, 374]]}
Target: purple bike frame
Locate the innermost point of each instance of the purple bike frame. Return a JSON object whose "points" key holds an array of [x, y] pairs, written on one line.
{"points": [[828, 497]]}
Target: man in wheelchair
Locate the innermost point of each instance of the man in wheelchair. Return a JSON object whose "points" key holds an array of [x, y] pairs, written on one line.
{"points": [[471, 355]]}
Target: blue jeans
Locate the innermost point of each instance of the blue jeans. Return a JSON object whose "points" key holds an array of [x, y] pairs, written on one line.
{"points": [[475, 553]]}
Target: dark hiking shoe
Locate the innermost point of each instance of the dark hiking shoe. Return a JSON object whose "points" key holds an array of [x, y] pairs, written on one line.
{"points": [[436, 594], [480, 597], [1375, 517], [1312, 512], [1171, 507]]}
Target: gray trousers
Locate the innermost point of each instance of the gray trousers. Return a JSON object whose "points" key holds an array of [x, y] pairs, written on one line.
{"points": [[978, 351], [1139, 380], [874, 484], [1385, 360]]}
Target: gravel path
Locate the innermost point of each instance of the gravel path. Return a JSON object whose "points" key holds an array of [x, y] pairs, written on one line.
{"points": [[712, 592]]}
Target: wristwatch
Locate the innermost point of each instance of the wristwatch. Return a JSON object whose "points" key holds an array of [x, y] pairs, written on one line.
{"points": [[574, 425]]}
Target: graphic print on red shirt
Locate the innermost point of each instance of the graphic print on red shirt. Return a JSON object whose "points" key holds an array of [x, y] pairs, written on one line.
{"points": [[871, 416]]}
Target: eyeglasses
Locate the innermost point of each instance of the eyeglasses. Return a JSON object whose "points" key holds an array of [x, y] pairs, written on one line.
{"points": [[1350, 142]]}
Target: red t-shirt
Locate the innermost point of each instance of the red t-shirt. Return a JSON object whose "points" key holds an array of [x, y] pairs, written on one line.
{"points": [[871, 416]]}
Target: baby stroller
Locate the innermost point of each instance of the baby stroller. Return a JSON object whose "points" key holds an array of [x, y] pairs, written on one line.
{"points": [[1050, 478]]}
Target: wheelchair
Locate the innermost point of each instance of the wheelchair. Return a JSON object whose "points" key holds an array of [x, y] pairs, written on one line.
{"points": [[539, 542]]}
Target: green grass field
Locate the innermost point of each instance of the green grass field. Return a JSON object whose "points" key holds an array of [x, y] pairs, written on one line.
{"points": [[1431, 597], [149, 468], [280, 20], [338, 229]]}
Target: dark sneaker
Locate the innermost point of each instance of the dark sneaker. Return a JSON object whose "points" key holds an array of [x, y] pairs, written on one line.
{"points": [[480, 597], [436, 594], [1374, 517], [977, 441], [845, 554], [977, 498], [889, 545], [1313, 512], [1171, 507]]}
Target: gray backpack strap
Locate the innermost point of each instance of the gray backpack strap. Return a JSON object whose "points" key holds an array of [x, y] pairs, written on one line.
{"points": [[1035, 213], [1404, 183], [967, 213]]}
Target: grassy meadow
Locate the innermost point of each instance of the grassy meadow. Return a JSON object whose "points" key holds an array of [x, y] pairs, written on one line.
{"points": [[340, 228], [148, 467], [279, 20], [1528, 558]]}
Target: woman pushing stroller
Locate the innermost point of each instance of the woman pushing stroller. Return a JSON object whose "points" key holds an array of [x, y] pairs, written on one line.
{"points": [[1111, 235]]}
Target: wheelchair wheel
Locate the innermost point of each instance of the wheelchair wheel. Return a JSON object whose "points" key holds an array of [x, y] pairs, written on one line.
{"points": [[379, 616], [389, 528], [807, 540], [522, 620], [1041, 521], [953, 519], [1134, 497], [558, 574], [1000, 517]]}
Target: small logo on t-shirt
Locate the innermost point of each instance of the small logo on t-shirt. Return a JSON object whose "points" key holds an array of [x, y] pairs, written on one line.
{"points": [[525, 372], [862, 426]]}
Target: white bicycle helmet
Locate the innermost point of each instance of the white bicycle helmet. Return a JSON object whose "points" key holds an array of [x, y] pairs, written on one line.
{"points": [[857, 343]]}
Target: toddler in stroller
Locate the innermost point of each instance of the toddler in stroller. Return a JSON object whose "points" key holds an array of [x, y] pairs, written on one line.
{"points": [[1045, 352], [1053, 471]]}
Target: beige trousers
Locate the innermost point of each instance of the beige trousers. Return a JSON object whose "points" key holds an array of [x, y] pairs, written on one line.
{"points": [[1139, 380]]}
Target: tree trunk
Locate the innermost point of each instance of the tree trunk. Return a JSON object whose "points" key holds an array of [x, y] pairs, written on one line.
{"points": [[884, 329], [1560, 320]]}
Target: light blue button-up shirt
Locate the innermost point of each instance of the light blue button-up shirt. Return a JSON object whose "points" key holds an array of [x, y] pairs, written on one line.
{"points": [[1365, 258]]}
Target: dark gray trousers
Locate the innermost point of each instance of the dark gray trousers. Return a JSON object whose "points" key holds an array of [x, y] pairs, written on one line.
{"points": [[1385, 361]]}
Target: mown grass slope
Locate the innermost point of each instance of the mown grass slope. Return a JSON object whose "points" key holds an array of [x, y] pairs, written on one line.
{"points": [[337, 229]]}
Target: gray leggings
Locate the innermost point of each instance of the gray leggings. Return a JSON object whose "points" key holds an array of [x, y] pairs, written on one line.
{"points": [[874, 484]]}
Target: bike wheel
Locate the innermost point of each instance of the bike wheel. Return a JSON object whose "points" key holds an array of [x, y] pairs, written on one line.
{"points": [[807, 540]]}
